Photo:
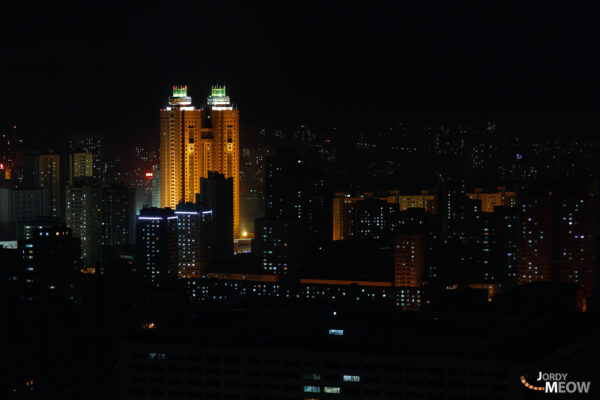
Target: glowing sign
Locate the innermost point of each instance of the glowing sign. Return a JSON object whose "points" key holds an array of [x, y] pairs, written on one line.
{"points": [[1, 166], [149, 174]]}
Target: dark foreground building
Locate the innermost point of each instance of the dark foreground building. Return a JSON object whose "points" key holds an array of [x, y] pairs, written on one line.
{"points": [[323, 353]]}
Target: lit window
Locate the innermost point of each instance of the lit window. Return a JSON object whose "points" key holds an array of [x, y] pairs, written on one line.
{"points": [[312, 389]]}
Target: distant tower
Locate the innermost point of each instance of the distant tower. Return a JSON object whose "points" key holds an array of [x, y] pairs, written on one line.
{"points": [[80, 166], [51, 179], [196, 141]]}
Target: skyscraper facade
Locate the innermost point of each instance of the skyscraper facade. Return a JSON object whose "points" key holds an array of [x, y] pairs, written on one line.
{"points": [[181, 147], [195, 141]]}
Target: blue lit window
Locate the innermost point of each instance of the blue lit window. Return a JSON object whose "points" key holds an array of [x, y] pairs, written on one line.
{"points": [[312, 389]]}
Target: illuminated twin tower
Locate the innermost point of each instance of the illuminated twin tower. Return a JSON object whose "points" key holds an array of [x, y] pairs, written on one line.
{"points": [[194, 141]]}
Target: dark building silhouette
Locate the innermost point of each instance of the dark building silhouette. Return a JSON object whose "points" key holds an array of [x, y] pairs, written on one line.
{"points": [[101, 215], [351, 353], [557, 242], [118, 215], [295, 190], [50, 265], [216, 195], [278, 246]]}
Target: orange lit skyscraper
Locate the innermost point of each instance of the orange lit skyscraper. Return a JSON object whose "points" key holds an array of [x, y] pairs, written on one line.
{"points": [[180, 148], [194, 141], [225, 120]]}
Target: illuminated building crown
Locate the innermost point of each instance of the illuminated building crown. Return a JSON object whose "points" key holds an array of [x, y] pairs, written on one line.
{"points": [[218, 99], [180, 97]]}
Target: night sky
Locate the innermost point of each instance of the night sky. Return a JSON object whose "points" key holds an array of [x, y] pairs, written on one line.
{"points": [[104, 67]]}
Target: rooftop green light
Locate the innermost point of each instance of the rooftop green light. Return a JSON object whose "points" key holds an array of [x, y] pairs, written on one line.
{"points": [[179, 91], [217, 91]]}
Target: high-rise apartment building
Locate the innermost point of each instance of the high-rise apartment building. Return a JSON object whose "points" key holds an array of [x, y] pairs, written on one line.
{"points": [[52, 180], [118, 215], [80, 166], [194, 141], [408, 260], [296, 190], [100, 216], [84, 218], [577, 242], [278, 246], [22, 204], [536, 240], [194, 240], [90, 144], [156, 245], [181, 149], [557, 242]]}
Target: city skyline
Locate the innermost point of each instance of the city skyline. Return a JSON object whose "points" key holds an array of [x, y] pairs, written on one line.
{"points": [[223, 201]]}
